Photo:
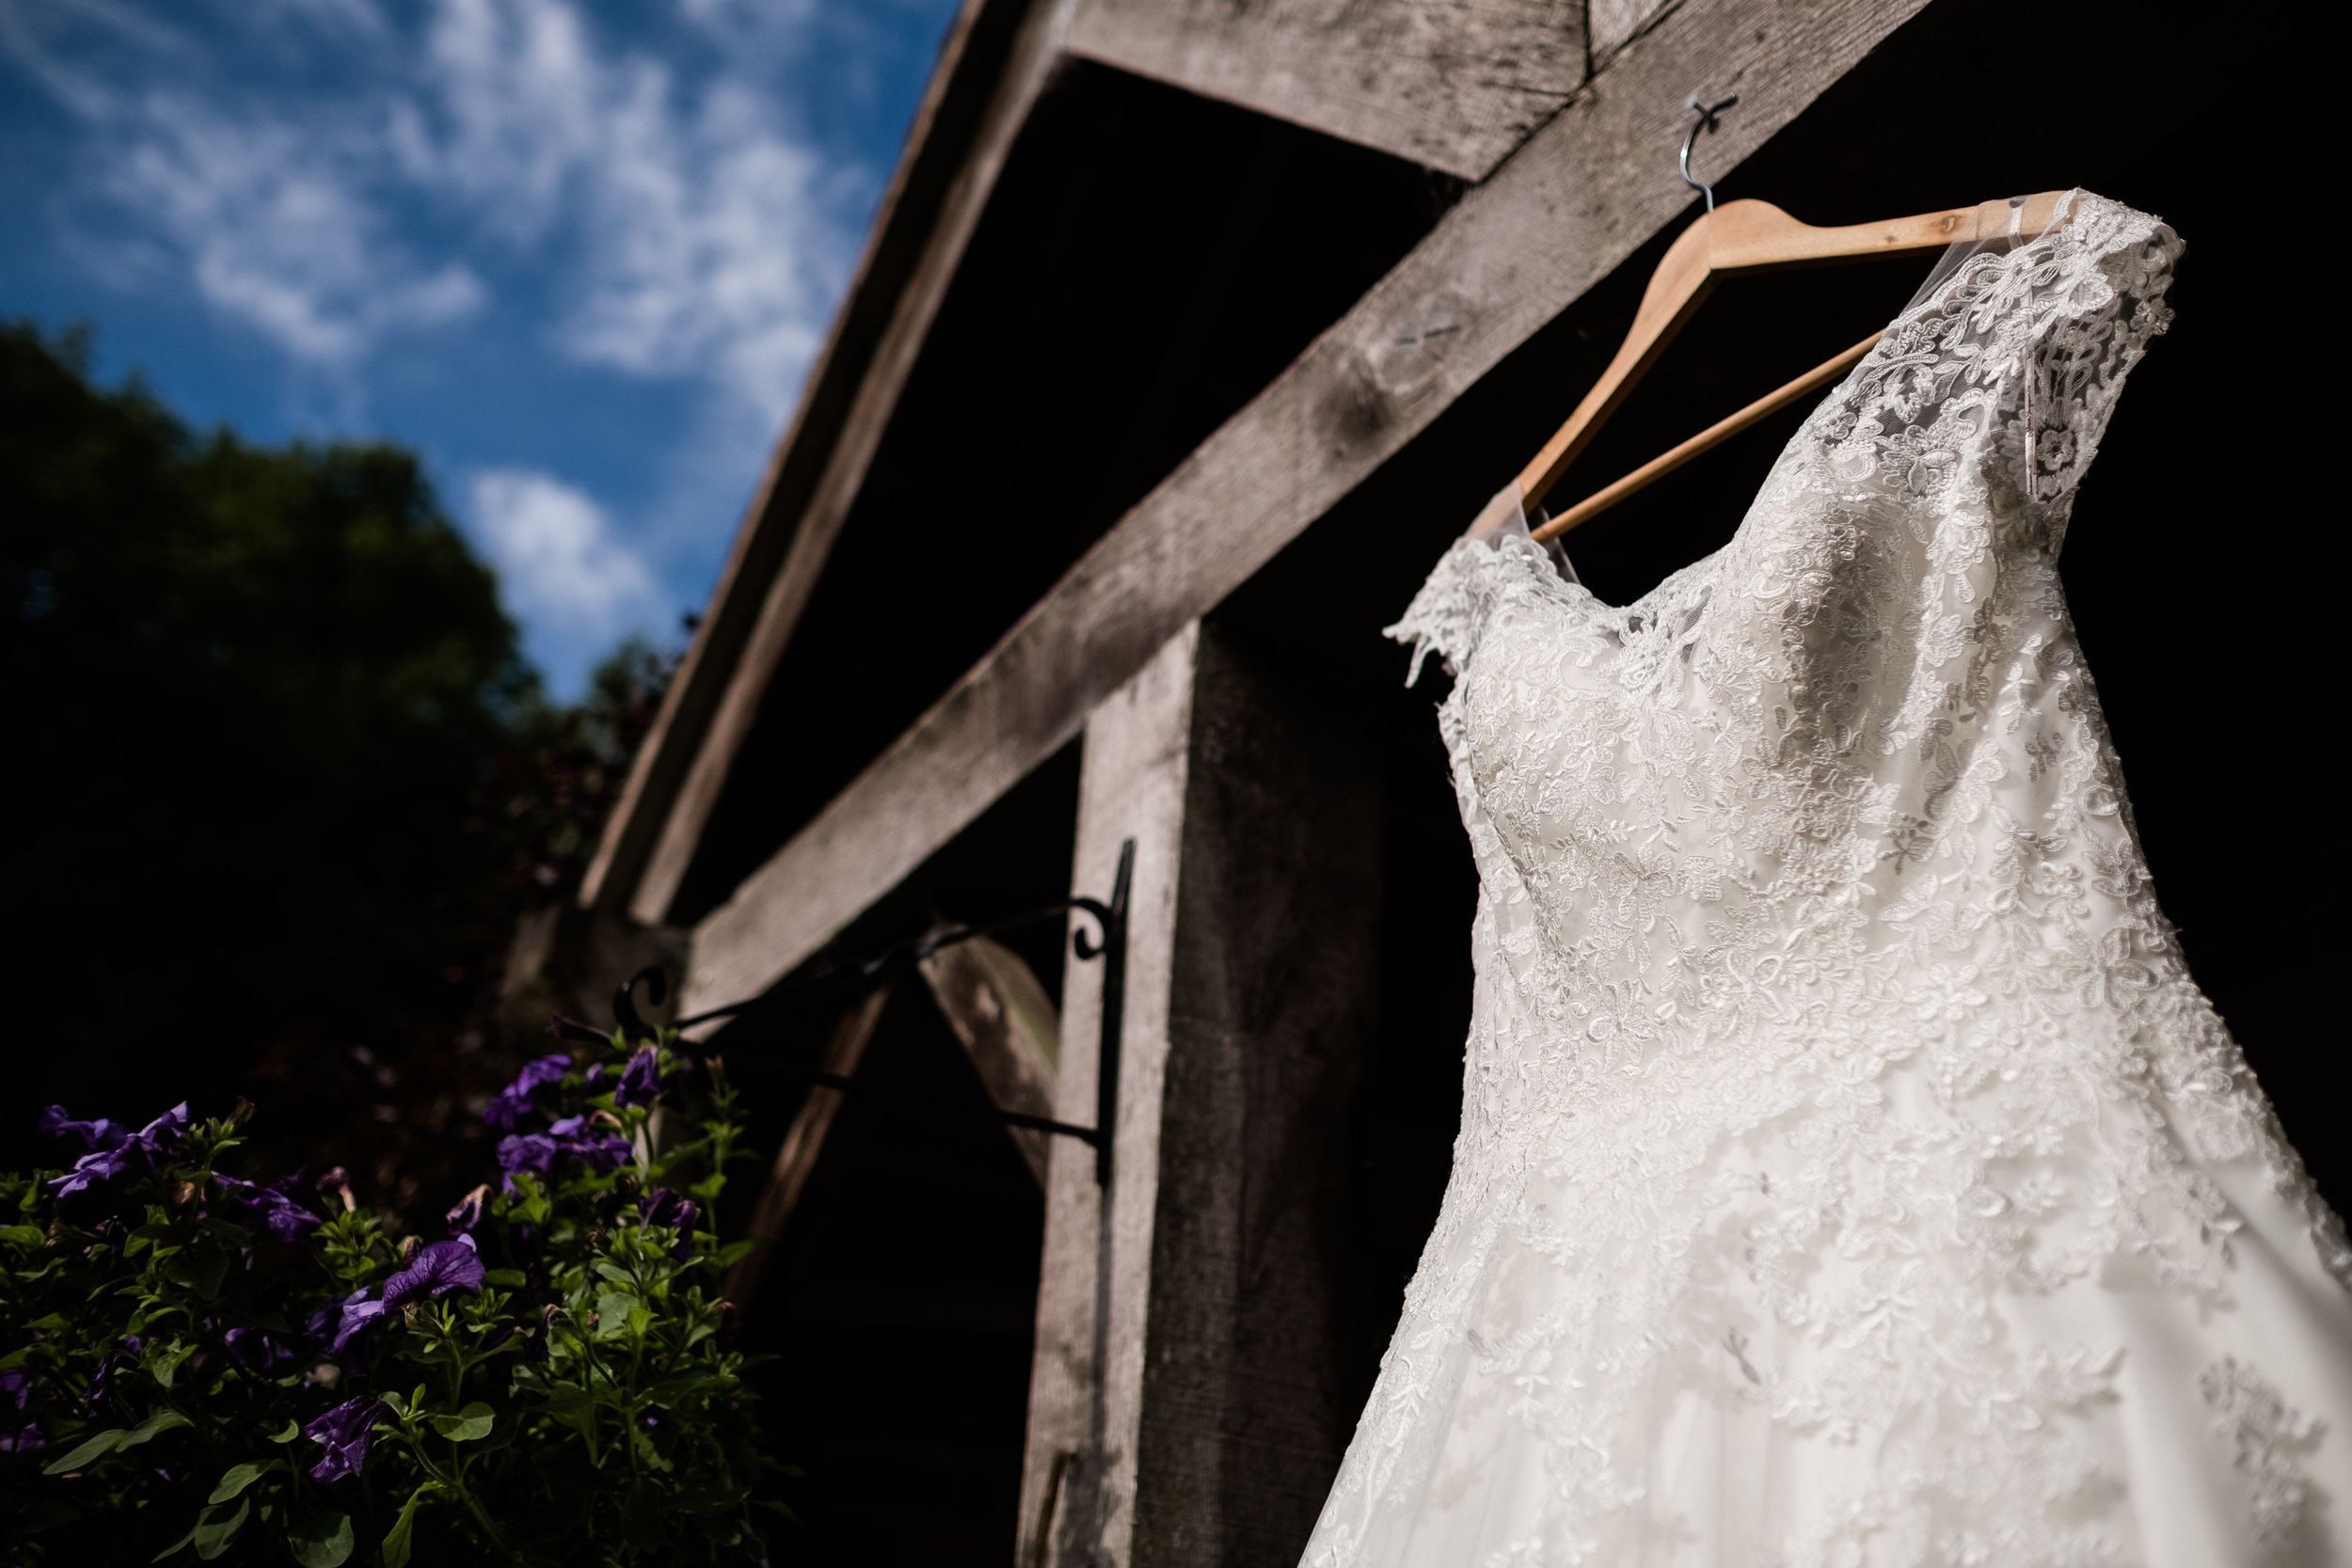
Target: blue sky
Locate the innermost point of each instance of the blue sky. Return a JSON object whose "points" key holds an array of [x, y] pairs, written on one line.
{"points": [[577, 255]]}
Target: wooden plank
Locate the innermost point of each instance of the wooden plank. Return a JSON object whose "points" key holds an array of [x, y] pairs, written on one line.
{"points": [[1085, 1380], [1572, 204], [1611, 24], [1245, 1412], [993, 1002], [953, 149], [804, 1141], [1452, 83]]}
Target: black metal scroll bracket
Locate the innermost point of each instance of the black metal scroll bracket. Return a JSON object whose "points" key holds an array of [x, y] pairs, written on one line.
{"points": [[1111, 948]]}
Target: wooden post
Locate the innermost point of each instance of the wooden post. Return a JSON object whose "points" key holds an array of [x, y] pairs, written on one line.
{"points": [[1185, 1408], [1085, 1383]]}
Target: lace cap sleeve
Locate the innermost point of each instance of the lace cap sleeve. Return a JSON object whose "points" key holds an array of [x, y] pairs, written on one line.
{"points": [[1448, 614], [2013, 352], [2095, 304]]}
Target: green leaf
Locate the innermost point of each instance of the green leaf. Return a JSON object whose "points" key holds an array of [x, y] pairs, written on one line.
{"points": [[105, 1443], [469, 1425], [293, 1430], [574, 1407], [165, 1363], [614, 1273], [24, 1235], [612, 1310], [396, 1542], [711, 1502], [163, 1420], [321, 1541], [735, 1252], [237, 1479], [176, 1546], [507, 1279], [215, 1528]]}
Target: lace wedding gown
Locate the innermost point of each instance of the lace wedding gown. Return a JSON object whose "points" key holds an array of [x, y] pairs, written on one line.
{"points": [[1851, 1174]]}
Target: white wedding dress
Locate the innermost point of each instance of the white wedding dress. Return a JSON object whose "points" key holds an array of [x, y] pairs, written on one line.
{"points": [[1851, 1174]]}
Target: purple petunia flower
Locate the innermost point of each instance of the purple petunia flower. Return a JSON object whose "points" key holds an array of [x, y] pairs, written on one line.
{"points": [[256, 1350], [665, 1207], [15, 1387], [358, 1315], [641, 1081], [436, 1270], [513, 1100], [344, 1432], [467, 1214], [25, 1439], [99, 1134], [101, 1394], [603, 1151], [526, 1151], [137, 1150], [271, 1208]]}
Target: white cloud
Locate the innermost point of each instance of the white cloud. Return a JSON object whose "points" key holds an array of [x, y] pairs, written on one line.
{"points": [[346, 179], [562, 570], [276, 234], [687, 232], [713, 245]]}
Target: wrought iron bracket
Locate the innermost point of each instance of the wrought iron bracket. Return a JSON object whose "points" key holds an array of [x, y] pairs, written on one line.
{"points": [[1110, 946]]}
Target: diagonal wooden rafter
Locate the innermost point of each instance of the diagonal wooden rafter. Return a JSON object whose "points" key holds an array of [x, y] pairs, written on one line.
{"points": [[993, 1002], [993, 65], [804, 1141], [1576, 201]]}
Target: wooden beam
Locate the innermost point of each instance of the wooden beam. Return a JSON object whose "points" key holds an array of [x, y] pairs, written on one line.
{"points": [[953, 148], [1577, 199], [1087, 1375], [1456, 86], [992, 1000], [802, 1142]]}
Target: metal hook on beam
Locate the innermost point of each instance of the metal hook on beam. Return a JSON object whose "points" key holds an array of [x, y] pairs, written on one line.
{"points": [[633, 1027], [1107, 942], [1706, 121]]}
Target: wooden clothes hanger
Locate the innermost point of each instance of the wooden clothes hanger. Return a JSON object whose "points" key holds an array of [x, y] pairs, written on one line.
{"points": [[1738, 238]]}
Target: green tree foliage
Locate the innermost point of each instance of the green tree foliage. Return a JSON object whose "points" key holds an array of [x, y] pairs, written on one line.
{"points": [[282, 777]]}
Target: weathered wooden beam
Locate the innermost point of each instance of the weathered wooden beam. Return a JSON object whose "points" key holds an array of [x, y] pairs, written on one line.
{"points": [[1245, 1412], [1565, 210], [1208, 1427], [804, 1141], [1455, 84], [993, 1003], [1086, 1386], [973, 103]]}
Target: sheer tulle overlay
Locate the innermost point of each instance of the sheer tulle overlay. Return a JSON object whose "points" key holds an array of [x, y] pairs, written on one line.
{"points": [[1851, 1173]]}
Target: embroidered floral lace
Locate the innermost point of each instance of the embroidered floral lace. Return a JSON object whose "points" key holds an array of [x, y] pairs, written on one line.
{"points": [[1851, 1173]]}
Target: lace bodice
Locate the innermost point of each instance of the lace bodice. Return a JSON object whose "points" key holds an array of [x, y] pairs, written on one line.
{"points": [[1826, 1026]]}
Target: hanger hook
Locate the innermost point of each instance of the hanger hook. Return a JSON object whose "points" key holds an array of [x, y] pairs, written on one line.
{"points": [[1706, 113]]}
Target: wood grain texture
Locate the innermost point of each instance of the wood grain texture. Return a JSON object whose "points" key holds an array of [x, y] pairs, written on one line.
{"points": [[1094, 1283], [1452, 83], [1572, 204], [1245, 1412], [804, 1141], [993, 1003], [1611, 24], [992, 65]]}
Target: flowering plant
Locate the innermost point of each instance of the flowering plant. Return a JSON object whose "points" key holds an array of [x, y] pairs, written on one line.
{"points": [[192, 1362]]}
